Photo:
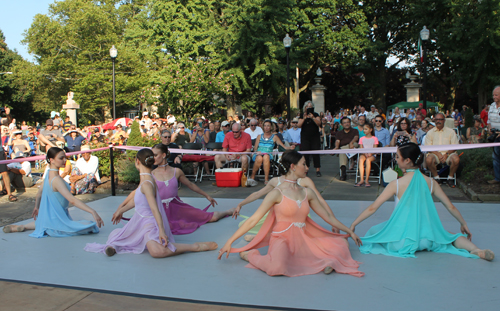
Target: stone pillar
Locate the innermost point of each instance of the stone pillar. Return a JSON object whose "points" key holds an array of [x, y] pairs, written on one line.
{"points": [[412, 90], [318, 95], [71, 107]]}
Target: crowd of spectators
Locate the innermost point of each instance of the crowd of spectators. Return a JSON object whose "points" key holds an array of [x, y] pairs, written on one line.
{"points": [[308, 130]]}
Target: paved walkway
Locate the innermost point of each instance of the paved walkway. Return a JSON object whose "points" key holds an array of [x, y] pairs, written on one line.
{"points": [[18, 296]]}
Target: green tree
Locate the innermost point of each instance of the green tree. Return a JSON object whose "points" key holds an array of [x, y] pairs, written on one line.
{"points": [[71, 47]]}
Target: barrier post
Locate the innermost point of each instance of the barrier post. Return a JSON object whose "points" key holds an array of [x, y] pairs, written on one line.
{"points": [[112, 168]]}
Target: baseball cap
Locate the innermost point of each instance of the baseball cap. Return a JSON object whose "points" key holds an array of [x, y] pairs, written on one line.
{"points": [[373, 106], [295, 120], [49, 122], [224, 123]]}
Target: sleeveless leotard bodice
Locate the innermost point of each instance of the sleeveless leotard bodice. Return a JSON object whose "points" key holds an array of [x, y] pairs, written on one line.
{"points": [[396, 199], [182, 217]]}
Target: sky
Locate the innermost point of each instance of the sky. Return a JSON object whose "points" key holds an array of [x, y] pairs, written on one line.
{"points": [[16, 17]]}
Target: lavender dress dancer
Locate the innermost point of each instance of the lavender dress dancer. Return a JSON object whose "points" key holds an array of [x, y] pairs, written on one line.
{"points": [[141, 229], [182, 217]]}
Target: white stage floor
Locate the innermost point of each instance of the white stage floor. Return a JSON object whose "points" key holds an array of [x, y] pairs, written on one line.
{"points": [[432, 281]]}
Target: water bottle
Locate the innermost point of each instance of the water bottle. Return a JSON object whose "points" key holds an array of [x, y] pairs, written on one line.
{"points": [[37, 165]]}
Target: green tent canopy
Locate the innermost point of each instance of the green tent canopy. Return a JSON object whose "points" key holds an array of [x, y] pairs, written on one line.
{"points": [[408, 105]]}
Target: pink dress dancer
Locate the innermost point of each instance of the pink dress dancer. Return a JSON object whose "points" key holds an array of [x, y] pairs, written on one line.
{"points": [[297, 245], [141, 229], [182, 217]]}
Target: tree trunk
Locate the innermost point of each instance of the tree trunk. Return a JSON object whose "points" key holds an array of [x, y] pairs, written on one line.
{"points": [[379, 89]]}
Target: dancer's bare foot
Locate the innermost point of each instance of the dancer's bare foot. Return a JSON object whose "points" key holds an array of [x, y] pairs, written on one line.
{"points": [[13, 228], [485, 254], [249, 237], [206, 246], [219, 215], [328, 270], [244, 255], [110, 251]]}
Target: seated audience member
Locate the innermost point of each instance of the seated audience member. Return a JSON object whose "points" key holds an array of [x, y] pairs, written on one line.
{"points": [[235, 141], [292, 135], [372, 113], [115, 138], [213, 134], [254, 130], [181, 136], [347, 138], [174, 159], [441, 135], [382, 133], [85, 175], [16, 142], [49, 136], [476, 134], [403, 134], [220, 135], [74, 140], [20, 172], [361, 125], [368, 141]]}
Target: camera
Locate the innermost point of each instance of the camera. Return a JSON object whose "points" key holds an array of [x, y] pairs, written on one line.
{"points": [[493, 137]]}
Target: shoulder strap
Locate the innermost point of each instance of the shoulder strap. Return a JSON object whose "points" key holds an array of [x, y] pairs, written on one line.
{"points": [[397, 187], [432, 184], [279, 183]]}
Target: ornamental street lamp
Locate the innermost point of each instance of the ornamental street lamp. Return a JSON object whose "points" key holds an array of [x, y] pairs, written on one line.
{"points": [[113, 52], [424, 35], [287, 42]]}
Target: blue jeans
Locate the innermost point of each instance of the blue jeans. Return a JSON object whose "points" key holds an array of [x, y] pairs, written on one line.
{"points": [[496, 162]]}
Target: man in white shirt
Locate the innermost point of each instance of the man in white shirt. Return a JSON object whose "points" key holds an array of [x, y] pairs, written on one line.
{"points": [[494, 123], [20, 172], [363, 111], [254, 130], [85, 175]]}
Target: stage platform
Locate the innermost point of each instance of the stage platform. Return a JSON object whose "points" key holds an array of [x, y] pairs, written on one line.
{"points": [[432, 281]]}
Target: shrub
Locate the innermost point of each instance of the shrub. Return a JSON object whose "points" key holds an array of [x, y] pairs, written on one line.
{"points": [[125, 165], [476, 162]]}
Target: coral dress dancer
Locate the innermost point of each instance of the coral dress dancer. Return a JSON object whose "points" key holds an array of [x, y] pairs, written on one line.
{"points": [[297, 245], [182, 217], [148, 228]]}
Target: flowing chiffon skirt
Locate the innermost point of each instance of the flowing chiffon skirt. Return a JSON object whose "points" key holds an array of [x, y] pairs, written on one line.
{"points": [[297, 245], [413, 226]]}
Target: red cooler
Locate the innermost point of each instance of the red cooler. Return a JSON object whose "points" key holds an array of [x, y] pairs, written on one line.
{"points": [[228, 177]]}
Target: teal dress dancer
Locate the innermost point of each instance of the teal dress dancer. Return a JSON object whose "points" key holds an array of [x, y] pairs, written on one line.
{"points": [[414, 226], [53, 217]]}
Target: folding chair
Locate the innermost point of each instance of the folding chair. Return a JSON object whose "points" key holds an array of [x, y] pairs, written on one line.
{"points": [[375, 164], [211, 146], [193, 146]]}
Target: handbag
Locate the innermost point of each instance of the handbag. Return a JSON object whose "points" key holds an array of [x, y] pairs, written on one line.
{"points": [[389, 175]]}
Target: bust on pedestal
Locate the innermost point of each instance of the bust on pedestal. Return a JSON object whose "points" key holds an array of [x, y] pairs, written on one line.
{"points": [[71, 107]]}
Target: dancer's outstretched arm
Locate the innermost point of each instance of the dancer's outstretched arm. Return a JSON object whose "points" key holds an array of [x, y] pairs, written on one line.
{"points": [[330, 219], [125, 206], [184, 180], [272, 198], [256, 195], [388, 192], [62, 187], [439, 193]]}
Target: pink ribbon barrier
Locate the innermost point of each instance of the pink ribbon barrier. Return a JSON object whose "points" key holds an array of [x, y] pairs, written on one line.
{"points": [[42, 157], [338, 151]]}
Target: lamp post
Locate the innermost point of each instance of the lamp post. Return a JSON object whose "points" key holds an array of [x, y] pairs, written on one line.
{"points": [[424, 35], [113, 52], [287, 42]]}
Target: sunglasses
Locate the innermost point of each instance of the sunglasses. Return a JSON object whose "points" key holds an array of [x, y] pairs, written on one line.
{"points": [[378, 120], [165, 137], [236, 132]]}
